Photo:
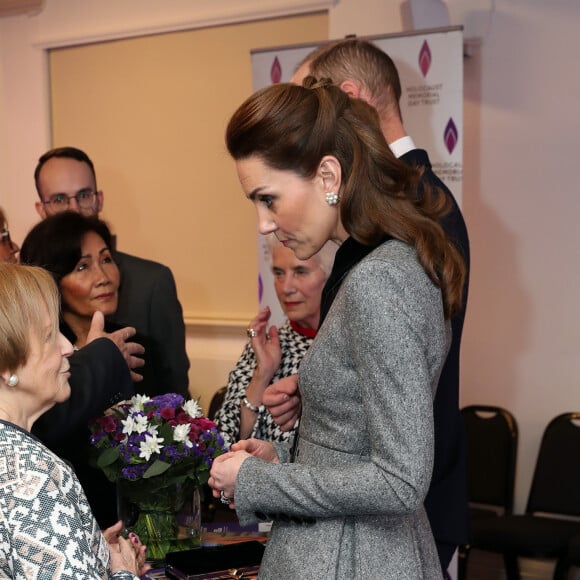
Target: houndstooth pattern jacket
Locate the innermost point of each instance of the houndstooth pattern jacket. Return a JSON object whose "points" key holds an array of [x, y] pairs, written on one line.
{"points": [[294, 347], [47, 529]]}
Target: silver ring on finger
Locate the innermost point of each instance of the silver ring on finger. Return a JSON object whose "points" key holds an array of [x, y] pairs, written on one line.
{"points": [[251, 333], [224, 498]]}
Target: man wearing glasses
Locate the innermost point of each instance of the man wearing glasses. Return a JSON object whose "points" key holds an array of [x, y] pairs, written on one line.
{"points": [[65, 180]]}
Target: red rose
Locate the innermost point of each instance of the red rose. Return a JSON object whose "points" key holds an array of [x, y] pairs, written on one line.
{"points": [[206, 424], [109, 424], [167, 413]]}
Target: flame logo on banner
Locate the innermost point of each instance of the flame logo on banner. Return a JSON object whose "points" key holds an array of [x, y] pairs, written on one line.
{"points": [[425, 58], [276, 72], [451, 136]]}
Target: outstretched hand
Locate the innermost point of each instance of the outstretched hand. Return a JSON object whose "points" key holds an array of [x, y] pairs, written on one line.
{"points": [[131, 351]]}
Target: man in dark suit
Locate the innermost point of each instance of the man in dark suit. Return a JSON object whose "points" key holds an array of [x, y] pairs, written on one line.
{"points": [[65, 180], [364, 71]]}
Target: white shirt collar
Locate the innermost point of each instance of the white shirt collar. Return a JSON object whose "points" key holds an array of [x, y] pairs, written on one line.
{"points": [[402, 146]]}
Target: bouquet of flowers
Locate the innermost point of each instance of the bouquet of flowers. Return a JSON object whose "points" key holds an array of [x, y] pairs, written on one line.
{"points": [[159, 452]]}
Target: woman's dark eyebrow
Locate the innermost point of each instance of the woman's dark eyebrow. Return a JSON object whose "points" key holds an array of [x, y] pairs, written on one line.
{"points": [[103, 249], [252, 195]]}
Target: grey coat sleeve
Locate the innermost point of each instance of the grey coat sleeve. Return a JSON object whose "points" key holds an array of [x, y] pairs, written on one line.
{"points": [[393, 340]]}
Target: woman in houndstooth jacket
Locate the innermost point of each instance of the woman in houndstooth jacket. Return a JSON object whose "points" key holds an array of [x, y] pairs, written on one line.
{"points": [[272, 354]]}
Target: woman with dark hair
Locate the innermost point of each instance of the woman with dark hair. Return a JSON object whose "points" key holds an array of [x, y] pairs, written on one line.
{"points": [[76, 250], [317, 167]]}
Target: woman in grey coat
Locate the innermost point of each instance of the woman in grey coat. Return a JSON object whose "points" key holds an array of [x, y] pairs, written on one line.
{"points": [[350, 504]]}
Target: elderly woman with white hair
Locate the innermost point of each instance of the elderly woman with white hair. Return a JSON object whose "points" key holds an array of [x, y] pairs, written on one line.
{"points": [[275, 353]]}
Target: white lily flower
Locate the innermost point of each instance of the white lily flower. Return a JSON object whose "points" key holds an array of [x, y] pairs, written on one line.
{"points": [[135, 424], [138, 402], [128, 424], [192, 408], [181, 432], [149, 446]]}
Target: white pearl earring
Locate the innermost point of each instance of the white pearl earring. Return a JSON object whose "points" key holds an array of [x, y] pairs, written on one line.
{"points": [[332, 198], [12, 380]]}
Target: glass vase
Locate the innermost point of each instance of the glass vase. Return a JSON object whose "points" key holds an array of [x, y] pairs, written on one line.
{"points": [[166, 519]]}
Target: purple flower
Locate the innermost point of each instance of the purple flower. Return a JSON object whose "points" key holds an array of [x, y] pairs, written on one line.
{"points": [[190, 456], [134, 472]]}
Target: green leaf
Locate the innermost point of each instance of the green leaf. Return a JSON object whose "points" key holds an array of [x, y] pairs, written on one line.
{"points": [[108, 457], [157, 468], [166, 432]]}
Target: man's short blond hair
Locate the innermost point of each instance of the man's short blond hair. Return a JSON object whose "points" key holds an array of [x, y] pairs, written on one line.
{"points": [[363, 62]]}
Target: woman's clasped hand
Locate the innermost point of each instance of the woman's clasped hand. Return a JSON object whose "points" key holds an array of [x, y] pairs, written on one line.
{"points": [[126, 553], [226, 467]]}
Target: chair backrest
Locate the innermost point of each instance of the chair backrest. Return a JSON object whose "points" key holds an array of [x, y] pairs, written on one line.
{"points": [[556, 483], [216, 402], [492, 442]]}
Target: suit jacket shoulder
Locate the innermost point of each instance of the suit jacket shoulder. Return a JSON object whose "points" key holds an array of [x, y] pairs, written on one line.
{"points": [[148, 301], [140, 266]]}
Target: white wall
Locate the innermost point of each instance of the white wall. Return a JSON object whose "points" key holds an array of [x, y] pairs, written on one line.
{"points": [[25, 121], [522, 137]]}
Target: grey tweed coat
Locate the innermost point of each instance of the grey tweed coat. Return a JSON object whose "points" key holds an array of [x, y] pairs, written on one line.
{"points": [[351, 506]]}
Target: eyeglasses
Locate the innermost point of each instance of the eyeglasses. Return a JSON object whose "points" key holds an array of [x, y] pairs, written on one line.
{"points": [[5, 237], [58, 202]]}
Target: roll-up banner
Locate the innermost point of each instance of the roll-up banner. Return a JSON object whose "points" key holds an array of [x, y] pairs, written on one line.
{"points": [[430, 64]]}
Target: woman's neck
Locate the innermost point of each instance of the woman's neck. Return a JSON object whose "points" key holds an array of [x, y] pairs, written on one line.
{"points": [[303, 330], [16, 415], [80, 325]]}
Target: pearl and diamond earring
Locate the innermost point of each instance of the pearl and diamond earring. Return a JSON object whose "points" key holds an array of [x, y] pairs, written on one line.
{"points": [[13, 380], [332, 198]]}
